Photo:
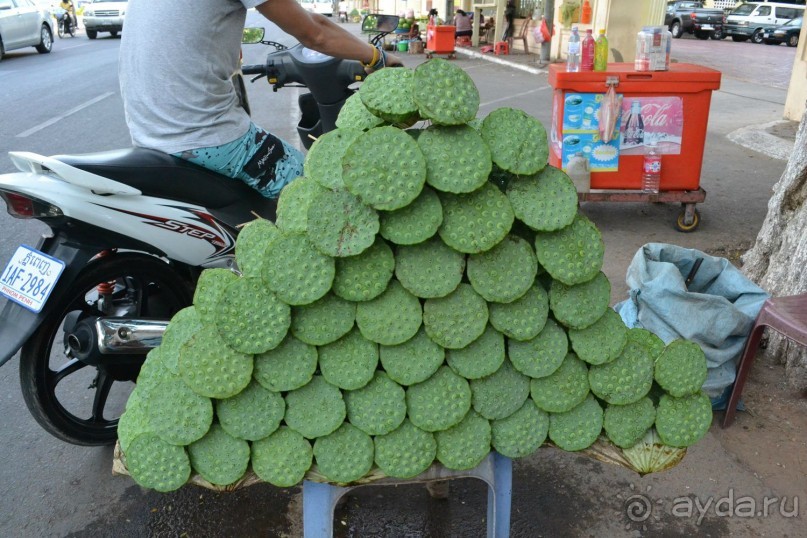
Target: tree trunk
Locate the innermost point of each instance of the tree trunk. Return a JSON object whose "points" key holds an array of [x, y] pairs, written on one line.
{"points": [[778, 260]]}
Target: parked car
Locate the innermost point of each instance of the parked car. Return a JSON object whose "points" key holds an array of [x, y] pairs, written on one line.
{"points": [[748, 21], [693, 18], [787, 33], [104, 16]]}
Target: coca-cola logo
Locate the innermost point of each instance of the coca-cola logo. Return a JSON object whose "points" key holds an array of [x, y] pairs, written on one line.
{"points": [[663, 114]]}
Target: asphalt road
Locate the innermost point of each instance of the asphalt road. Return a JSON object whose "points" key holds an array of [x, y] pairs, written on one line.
{"points": [[69, 102]]}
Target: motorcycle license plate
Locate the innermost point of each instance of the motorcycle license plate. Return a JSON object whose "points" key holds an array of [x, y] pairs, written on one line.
{"points": [[30, 277]]}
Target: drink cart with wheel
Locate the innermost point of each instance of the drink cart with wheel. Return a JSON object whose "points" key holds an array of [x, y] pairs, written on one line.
{"points": [[668, 109], [440, 40]]}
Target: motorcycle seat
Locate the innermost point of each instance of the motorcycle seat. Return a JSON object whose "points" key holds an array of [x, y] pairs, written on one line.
{"points": [[161, 175]]}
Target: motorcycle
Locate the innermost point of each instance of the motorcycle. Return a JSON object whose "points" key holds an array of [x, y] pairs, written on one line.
{"points": [[130, 232], [65, 23]]}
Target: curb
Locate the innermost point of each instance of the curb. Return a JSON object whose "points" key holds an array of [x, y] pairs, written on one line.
{"points": [[495, 59], [757, 138]]}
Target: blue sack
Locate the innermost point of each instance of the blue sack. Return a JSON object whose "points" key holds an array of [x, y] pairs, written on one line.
{"points": [[716, 310]]}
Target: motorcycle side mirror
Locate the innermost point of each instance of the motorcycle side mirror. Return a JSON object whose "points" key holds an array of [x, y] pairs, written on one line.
{"points": [[252, 36], [379, 23]]}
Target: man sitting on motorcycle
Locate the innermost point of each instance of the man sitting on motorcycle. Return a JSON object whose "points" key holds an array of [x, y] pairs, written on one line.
{"points": [[67, 17], [177, 90]]}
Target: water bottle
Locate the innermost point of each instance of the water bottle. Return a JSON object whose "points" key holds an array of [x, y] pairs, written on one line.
{"points": [[651, 169], [573, 56], [587, 52], [601, 52]]}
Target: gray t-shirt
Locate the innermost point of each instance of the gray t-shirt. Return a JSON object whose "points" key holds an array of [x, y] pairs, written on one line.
{"points": [[176, 60]]}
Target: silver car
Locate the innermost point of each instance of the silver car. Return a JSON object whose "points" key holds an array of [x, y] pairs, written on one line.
{"points": [[24, 24]]}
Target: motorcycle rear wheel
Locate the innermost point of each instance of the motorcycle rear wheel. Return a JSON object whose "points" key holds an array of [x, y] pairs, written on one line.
{"points": [[50, 378]]}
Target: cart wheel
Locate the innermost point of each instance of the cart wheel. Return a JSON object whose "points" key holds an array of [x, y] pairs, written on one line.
{"points": [[428, 55], [681, 224], [452, 56]]}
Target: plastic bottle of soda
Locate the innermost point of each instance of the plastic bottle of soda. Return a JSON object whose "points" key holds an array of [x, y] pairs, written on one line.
{"points": [[601, 52], [573, 55], [587, 52], [651, 169]]}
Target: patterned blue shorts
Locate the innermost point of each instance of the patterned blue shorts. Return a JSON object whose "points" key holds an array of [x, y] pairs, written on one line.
{"points": [[259, 159]]}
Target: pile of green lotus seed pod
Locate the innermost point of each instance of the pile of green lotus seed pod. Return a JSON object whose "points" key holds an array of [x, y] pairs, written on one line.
{"points": [[425, 294]]}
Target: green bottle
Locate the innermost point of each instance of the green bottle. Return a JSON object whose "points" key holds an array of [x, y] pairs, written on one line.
{"points": [[601, 52]]}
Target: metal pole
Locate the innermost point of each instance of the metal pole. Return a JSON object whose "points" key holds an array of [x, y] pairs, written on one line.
{"points": [[549, 16]]}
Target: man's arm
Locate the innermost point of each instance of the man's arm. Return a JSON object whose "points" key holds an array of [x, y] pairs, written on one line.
{"points": [[317, 32]]}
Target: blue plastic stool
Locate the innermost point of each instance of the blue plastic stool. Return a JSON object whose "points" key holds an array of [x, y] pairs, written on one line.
{"points": [[319, 500]]}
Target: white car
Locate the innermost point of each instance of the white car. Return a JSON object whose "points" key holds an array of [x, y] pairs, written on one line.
{"points": [[23, 24], [323, 7], [104, 16]]}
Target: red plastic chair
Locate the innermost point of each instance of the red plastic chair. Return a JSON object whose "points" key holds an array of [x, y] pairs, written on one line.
{"points": [[787, 316]]}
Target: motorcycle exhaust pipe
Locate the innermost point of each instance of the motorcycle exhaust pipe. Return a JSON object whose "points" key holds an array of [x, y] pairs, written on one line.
{"points": [[114, 336]]}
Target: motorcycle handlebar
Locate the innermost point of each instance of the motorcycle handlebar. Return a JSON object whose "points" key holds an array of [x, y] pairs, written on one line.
{"points": [[253, 69]]}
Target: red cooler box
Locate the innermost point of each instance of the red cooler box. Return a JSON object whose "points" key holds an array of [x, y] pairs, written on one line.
{"points": [[668, 108], [440, 39]]}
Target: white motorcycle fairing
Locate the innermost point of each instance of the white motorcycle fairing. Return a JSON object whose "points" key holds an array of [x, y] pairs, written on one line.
{"points": [[184, 232]]}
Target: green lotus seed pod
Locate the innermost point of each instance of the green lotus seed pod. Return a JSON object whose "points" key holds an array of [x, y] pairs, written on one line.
{"points": [[296, 271], [564, 389], [388, 94], [572, 254], [323, 164], [681, 368], [477, 221], [444, 93], [626, 425], [523, 318], [283, 458], [429, 269], [339, 224], [505, 272], [626, 379], [293, 203], [156, 464], [405, 452], [414, 223], [579, 306], [391, 318], [354, 115], [413, 361], [456, 320], [251, 244], [439, 402], [517, 141], [603, 341], [316, 409], [366, 275], [344, 455], [682, 422], [457, 159], [480, 358], [546, 201], [521, 433], [389, 183], [465, 445], [218, 457], [578, 428]]}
